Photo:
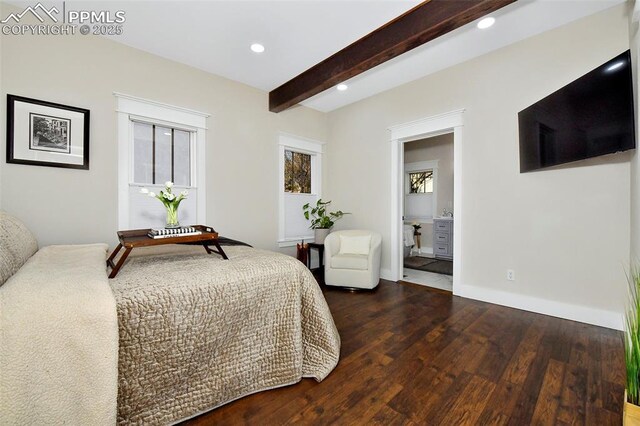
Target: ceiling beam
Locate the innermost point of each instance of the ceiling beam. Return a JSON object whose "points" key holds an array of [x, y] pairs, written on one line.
{"points": [[423, 23]]}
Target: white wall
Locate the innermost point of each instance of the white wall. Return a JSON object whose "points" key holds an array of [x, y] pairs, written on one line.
{"points": [[430, 149], [564, 231], [75, 206]]}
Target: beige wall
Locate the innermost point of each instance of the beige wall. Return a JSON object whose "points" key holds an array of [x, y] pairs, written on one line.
{"points": [[565, 231], [75, 206], [436, 148]]}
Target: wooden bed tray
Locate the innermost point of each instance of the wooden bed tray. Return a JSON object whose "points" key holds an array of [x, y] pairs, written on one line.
{"points": [[139, 238]]}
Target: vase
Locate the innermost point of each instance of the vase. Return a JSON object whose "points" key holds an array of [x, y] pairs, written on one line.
{"points": [[320, 235], [172, 217]]}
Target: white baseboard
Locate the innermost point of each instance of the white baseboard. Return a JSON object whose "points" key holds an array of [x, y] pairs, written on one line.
{"points": [[602, 318]]}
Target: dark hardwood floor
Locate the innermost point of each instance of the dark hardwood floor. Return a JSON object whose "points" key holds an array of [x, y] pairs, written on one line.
{"points": [[411, 355]]}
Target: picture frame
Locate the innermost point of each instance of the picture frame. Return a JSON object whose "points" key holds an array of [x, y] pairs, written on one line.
{"points": [[42, 133]]}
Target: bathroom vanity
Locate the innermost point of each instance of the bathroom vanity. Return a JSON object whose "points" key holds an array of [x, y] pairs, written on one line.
{"points": [[443, 238]]}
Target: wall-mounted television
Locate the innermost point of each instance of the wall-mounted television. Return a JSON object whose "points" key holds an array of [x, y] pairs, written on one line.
{"points": [[592, 116]]}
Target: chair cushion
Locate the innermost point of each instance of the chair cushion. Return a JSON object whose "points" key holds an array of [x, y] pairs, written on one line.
{"points": [[17, 244], [350, 261], [358, 244]]}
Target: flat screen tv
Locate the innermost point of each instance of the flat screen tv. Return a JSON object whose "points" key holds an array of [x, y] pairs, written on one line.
{"points": [[591, 116]]}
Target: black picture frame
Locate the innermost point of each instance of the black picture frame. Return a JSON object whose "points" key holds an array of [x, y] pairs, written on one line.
{"points": [[27, 141]]}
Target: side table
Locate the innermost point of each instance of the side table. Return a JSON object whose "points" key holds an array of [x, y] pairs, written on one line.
{"points": [[320, 248]]}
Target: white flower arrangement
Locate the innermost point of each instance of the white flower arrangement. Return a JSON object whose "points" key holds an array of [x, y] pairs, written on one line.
{"points": [[170, 201], [166, 195]]}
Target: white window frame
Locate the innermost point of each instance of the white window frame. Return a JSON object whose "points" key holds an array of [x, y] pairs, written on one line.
{"points": [[422, 166], [288, 142], [130, 109]]}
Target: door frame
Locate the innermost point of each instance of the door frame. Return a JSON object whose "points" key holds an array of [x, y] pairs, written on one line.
{"points": [[450, 122]]}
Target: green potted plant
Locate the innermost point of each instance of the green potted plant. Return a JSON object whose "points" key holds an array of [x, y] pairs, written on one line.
{"points": [[632, 352], [322, 220]]}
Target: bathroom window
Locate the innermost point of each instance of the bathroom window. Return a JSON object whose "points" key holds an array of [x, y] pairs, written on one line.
{"points": [[421, 182]]}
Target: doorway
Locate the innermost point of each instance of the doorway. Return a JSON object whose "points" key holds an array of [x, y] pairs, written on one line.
{"points": [[448, 123], [428, 212]]}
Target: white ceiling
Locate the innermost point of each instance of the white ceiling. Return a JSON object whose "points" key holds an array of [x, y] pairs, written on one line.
{"points": [[215, 36], [519, 20]]}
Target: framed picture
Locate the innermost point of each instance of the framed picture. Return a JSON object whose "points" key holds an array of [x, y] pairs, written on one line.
{"points": [[42, 133]]}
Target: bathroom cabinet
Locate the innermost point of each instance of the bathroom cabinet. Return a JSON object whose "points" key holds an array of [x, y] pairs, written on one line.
{"points": [[443, 238]]}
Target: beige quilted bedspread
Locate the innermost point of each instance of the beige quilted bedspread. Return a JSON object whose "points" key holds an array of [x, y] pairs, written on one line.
{"points": [[197, 332]]}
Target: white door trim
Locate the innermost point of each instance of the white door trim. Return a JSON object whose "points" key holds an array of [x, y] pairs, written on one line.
{"points": [[450, 122]]}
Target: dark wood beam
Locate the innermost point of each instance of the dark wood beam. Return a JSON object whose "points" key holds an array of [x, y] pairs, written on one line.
{"points": [[423, 23]]}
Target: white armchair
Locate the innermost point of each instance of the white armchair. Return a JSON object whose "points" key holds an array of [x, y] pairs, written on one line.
{"points": [[352, 259]]}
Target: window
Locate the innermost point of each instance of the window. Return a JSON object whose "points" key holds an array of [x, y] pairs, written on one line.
{"points": [[420, 198], [421, 182], [161, 154], [159, 143], [300, 181], [297, 172]]}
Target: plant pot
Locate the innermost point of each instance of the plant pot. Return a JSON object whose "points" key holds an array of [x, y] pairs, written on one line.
{"points": [[321, 234], [630, 413]]}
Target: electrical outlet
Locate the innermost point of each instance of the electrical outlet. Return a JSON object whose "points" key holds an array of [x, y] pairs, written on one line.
{"points": [[511, 275]]}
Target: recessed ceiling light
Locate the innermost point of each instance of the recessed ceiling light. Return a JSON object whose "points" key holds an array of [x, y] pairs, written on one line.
{"points": [[257, 47], [485, 23], [615, 66], [342, 87]]}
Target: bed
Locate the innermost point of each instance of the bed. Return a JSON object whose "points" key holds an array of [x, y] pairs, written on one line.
{"points": [[176, 333]]}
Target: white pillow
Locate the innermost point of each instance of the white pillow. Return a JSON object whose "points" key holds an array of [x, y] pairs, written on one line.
{"points": [[355, 244]]}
